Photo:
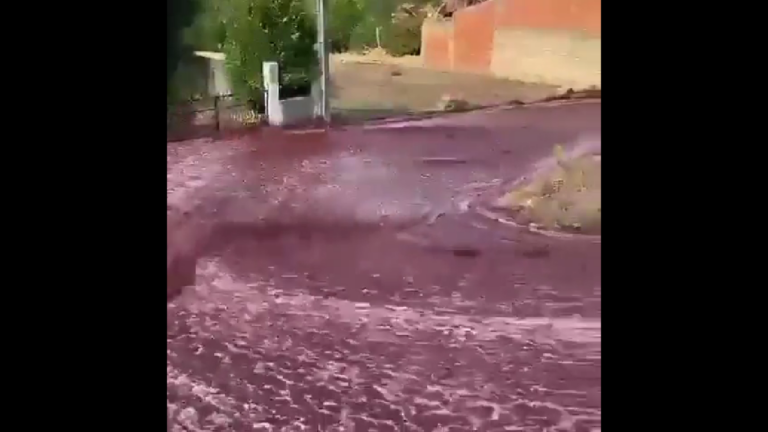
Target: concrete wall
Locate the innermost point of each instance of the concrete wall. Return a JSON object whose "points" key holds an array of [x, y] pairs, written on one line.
{"points": [[547, 41], [293, 111], [218, 79]]}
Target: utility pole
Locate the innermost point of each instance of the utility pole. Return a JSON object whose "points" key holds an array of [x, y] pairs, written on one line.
{"points": [[322, 53]]}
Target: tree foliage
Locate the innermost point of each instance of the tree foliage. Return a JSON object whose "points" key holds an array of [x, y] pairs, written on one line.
{"points": [[250, 32], [207, 32], [394, 25], [269, 30], [344, 16], [180, 15]]}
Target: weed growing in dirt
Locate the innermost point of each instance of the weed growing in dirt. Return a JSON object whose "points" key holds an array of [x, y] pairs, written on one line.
{"points": [[452, 104]]}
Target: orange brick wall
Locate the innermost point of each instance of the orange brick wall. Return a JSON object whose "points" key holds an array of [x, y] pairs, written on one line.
{"points": [[436, 44], [465, 43], [574, 15], [472, 51]]}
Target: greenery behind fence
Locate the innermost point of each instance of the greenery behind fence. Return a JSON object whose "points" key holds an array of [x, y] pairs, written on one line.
{"points": [[250, 32]]}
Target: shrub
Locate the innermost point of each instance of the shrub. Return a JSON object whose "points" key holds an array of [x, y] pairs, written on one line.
{"points": [[188, 82], [404, 36], [452, 104], [344, 16], [376, 21], [269, 30], [207, 32], [180, 14]]}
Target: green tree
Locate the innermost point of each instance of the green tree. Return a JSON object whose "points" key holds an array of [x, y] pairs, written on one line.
{"points": [[394, 25], [269, 30], [375, 25], [344, 17], [207, 32], [180, 14]]}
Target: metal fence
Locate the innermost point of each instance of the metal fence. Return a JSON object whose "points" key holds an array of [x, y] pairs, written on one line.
{"points": [[208, 116]]}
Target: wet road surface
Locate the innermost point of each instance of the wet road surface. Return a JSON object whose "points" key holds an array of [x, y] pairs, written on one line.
{"points": [[344, 282]]}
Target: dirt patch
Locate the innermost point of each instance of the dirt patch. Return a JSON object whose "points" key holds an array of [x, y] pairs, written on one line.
{"points": [[377, 56], [365, 90], [564, 197]]}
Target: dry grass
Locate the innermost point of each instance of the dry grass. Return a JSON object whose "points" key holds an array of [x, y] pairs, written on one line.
{"points": [[449, 103], [377, 56], [377, 86], [566, 197]]}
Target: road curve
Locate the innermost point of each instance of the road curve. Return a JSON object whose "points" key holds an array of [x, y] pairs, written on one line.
{"points": [[344, 282]]}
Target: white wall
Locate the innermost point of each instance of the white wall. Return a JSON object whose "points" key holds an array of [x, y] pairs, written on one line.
{"points": [[218, 80]]}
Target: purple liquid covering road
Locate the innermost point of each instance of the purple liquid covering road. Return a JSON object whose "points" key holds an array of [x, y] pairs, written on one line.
{"points": [[344, 282]]}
